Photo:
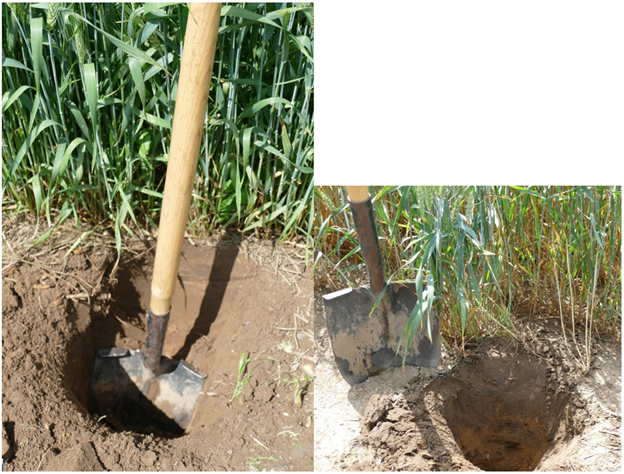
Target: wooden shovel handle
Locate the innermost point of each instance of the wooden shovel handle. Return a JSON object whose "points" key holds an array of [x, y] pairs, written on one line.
{"points": [[358, 193], [200, 42]]}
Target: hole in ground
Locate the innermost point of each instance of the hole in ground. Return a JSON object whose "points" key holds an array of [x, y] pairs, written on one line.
{"points": [[504, 410], [130, 396], [133, 398], [203, 277], [119, 327]]}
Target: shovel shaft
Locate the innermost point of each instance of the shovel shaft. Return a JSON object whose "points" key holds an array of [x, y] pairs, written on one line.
{"points": [[156, 330], [364, 219], [200, 42]]}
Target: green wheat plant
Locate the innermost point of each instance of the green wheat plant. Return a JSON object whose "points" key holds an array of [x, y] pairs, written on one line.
{"points": [[483, 256], [243, 375], [89, 94]]}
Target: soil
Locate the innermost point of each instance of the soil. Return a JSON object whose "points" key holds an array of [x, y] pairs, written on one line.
{"points": [[501, 405], [234, 298]]}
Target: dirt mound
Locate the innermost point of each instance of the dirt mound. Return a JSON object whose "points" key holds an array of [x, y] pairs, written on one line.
{"points": [[406, 438], [228, 306]]}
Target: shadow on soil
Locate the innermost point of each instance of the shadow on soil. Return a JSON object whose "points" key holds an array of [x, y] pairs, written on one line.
{"points": [[220, 272]]}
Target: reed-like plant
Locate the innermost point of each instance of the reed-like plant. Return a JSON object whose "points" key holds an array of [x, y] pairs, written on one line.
{"points": [[483, 256], [88, 99]]}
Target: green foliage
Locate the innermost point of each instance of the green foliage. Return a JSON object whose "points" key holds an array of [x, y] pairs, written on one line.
{"points": [[244, 375], [88, 97], [480, 254]]}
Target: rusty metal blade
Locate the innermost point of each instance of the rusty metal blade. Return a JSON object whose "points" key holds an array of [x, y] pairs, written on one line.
{"points": [[365, 343]]}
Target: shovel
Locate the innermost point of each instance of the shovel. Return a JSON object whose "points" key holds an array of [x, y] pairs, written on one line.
{"points": [[143, 390], [366, 341]]}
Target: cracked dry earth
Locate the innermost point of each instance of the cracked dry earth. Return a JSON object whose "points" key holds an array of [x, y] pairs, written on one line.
{"points": [[502, 406], [56, 312]]}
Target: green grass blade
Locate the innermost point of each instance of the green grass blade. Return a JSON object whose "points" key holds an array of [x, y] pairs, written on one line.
{"points": [[274, 151], [137, 77], [63, 155], [91, 86], [36, 39], [124, 47], [36, 189], [80, 121], [64, 214], [237, 12], [8, 62], [13, 97], [258, 106], [29, 141]]}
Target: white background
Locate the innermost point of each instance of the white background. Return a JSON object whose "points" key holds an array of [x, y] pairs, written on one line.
{"points": [[469, 92]]}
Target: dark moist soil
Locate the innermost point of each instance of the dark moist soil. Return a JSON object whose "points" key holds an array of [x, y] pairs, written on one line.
{"points": [[56, 312], [503, 405]]}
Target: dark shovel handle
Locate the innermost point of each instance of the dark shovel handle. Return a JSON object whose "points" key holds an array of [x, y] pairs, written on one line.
{"points": [[155, 339], [362, 210]]}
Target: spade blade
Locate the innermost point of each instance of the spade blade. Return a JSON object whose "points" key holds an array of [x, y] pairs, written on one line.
{"points": [[133, 397], [365, 343]]}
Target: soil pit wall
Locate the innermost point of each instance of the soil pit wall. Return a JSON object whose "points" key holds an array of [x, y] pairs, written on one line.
{"points": [[503, 410]]}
